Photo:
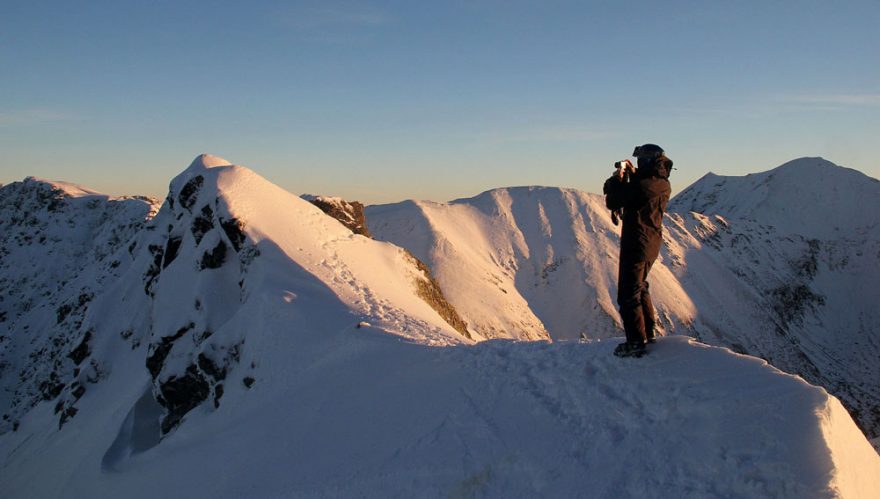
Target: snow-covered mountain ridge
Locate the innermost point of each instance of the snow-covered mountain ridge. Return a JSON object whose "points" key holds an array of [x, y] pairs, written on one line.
{"points": [[61, 244], [248, 344], [779, 264]]}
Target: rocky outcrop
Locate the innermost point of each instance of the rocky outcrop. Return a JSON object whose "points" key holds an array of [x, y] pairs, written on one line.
{"points": [[429, 290], [187, 362], [349, 214]]}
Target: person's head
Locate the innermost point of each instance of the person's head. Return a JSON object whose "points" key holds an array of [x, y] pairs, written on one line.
{"points": [[652, 160]]}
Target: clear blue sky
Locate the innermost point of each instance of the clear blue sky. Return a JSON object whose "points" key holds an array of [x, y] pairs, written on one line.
{"points": [[383, 101]]}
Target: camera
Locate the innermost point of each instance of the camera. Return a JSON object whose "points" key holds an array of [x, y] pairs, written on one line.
{"points": [[624, 168]]}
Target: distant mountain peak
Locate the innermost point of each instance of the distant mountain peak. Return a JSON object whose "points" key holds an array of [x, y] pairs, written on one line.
{"points": [[63, 188], [810, 196]]}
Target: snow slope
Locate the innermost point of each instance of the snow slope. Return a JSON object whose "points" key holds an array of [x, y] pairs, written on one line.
{"points": [[796, 248], [778, 265], [349, 414], [300, 360], [525, 262], [61, 244], [180, 291]]}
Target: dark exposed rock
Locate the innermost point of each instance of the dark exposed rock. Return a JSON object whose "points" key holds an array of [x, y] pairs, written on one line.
{"points": [[158, 352], [66, 309], [62, 312], [171, 249], [179, 395], [190, 192], [202, 223], [210, 368], [155, 267], [349, 214], [79, 354], [234, 229], [429, 291], [78, 392], [791, 301], [214, 259], [66, 414], [218, 394], [204, 336], [248, 381], [51, 388]]}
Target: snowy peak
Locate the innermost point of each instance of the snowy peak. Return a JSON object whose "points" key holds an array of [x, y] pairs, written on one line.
{"points": [[58, 188], [204, 161], [807, 196]]}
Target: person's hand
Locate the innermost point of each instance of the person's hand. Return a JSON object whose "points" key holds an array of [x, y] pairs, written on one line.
{"points": [[626, 167]]}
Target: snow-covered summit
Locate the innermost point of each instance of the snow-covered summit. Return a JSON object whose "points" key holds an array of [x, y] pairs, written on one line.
{"points": [[807, 196], [58, 187], [204, 161]]}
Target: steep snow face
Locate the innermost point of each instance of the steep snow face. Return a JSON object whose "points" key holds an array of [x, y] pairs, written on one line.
{"points": [[61, 245], [809, 197], [225, 243], [236, 242], [797, 248], [363, 415], [526, 262]]}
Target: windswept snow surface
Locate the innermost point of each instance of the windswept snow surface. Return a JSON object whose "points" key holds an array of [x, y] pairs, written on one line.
{"points": [[365, 414], [248, 345]]}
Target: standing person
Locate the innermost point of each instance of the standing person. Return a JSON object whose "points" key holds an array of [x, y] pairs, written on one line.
{"points": [[639, 196]]}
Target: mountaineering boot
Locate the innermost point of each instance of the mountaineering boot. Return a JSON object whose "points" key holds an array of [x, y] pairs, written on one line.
{"points": [[630, 349]]}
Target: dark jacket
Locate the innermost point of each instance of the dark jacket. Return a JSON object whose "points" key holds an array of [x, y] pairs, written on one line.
{"points": [[643, 199]]}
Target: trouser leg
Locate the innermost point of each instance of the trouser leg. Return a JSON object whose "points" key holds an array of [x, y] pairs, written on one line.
{"points": [[647, 304], [631, 289]]}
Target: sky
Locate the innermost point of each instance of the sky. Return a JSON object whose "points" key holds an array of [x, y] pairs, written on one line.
{"points": [[389, 100]]}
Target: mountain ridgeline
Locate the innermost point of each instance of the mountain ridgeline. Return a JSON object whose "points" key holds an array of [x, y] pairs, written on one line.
{"points": [[318, 327], [779, 265]]}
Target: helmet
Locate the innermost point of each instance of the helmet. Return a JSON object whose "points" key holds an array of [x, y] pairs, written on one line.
{"points": [[648, 151]]}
